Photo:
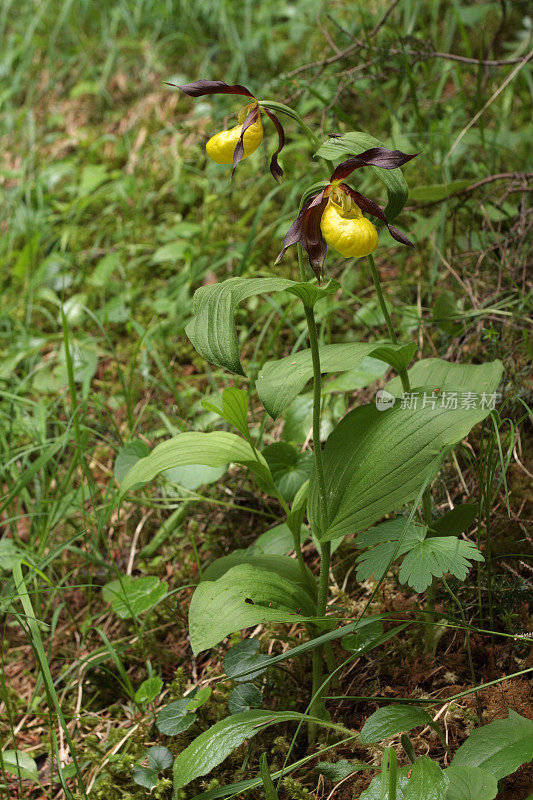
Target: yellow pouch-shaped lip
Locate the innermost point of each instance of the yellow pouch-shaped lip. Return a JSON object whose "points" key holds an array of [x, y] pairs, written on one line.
{"points": [[348, 232], [221, 146]]}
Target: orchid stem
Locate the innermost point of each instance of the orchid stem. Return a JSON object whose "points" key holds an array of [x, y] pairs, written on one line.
{"points": [[404, 377]]}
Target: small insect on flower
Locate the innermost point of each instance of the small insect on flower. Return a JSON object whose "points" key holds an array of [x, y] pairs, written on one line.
{"points": [[231, 146], [334, 216]]}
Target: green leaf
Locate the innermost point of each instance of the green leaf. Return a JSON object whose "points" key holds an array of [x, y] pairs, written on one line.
{"points": [[173, 251], [297, 513], [194, 475], [370, 370], [338, 770], [360, 641], [212, 330], [148, 690], [243, 657], [386, 542], [215, 744], [427, 781], [244, 596], [130, 597], [244, 697], [270, 791], [128, 456], [234, 409], [311, 293], [434, 557], [11, 554], [281, 381], [214, 449], [437, 373], [470, 783], [275, 542], [406, 447], [145, 777], [499, 747], [433, 192], [159, 758], [19, 763], [446, 312], [290, 468], [355, 143], [287, 568], [390, 720], [175, 718], [199, 698], [456, 521], [375, 792]]}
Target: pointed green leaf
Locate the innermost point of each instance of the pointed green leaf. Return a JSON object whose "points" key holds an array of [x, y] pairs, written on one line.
{"points": [[311, 293], [297, 513], [390, 720], [215, 744], [456, 521], [214, 449], [281, 381], [499, 747], [148, 690], [290, 468], [244, 596], [437, 373], [19, 763], [234, 408], [352, 144], [212, 330], [287, 567], [427, 781], [470, 783], [376, 461]]}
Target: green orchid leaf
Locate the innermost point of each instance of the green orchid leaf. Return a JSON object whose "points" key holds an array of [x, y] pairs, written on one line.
{"points": [[354, 143], [215, 449], [234, 409], [470, 783], [499, 747], [215, 744], [297, 513], [277, 541], [311, 293], [279, 382], [443, 375], [284, 566], [244, 596], [406, 446]]}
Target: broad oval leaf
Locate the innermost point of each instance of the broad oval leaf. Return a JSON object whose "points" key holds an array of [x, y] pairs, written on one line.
{"points": [[470, 783], [376, 461], [19, 763], [499, 747], [175, 718], [281, 381], [437, 373], [215, 449], [148, 690], [234, 408], [214, 745], [356, 142], [243, 657], [284, 566], [212, 329], [391, 720], [244, 596], [159, 758]]}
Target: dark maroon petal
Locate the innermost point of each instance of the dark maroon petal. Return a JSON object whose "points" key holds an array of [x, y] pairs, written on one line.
{"points": [[201, 88], [306, 230], [238, 153], [375, 157], [368, 205], [275, 168]]}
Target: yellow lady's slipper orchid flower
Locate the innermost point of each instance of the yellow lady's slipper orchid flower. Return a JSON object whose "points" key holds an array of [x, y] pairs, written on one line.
{"points": [[231, 146], [334, 215], [221, 146], [347, 231]]}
